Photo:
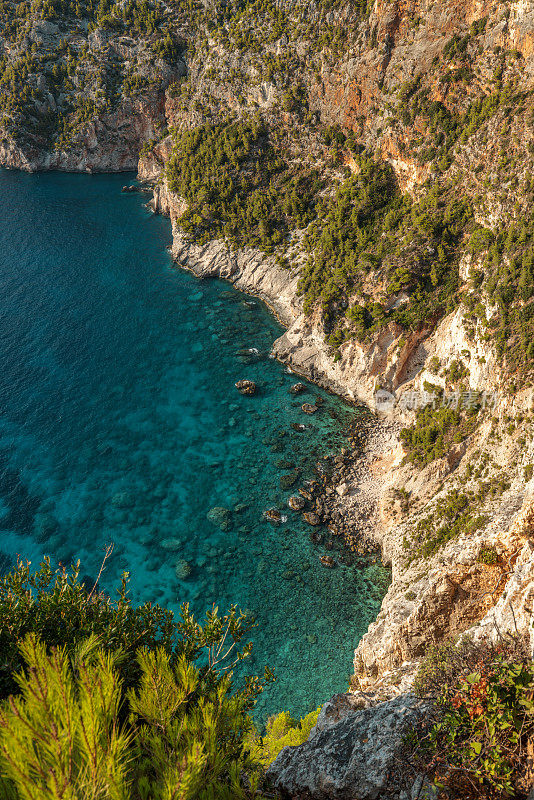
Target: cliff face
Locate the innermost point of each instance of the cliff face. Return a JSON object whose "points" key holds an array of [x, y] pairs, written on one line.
{"points": [[392, 235], [108, 143]]}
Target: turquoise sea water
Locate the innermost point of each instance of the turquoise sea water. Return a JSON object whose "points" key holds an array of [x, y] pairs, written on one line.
{"points": [[119, 422]]}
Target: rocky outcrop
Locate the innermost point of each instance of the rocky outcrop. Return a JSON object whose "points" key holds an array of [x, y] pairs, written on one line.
{"points": [[357, 749], [355, 752], [108, 143], [249, 270]]}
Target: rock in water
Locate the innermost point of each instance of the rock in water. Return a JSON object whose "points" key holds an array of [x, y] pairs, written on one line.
{"points": [[311, 518], [308, 408], [273, 515], [220, 517], [182, 569], [287, 481], [327, 561], [296, 503], [246, 387], [297, 388], [171, 544]]}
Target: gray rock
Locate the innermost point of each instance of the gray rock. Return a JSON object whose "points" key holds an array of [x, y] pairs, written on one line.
{"points": [[353, 752]]}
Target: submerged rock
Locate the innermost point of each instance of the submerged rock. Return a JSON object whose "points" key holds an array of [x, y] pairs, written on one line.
{"points": [[289, 480], [171, 544], [297, 388], [311, 518], [123, 499], [285, 464], [246, 387], [296, 503], [308, 408], [45, 526], [182, 569], [220, 517]]}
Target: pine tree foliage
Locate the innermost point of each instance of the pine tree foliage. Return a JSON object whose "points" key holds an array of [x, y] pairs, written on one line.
{"points": [[60, 739], [190, 733], [63, 737]]}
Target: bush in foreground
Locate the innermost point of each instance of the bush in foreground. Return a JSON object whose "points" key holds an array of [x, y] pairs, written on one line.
{"points": [[282, 731], [480, 741], [63, 735], [104, 701]]}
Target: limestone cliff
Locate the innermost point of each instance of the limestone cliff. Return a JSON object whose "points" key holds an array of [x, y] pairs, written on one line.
{"points": [[373, 184]]}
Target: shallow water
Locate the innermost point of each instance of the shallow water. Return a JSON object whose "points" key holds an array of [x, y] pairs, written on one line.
{"points": [[119, 422]]}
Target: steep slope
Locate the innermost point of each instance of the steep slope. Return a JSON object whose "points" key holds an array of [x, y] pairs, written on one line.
{"points": [[367, 168]]}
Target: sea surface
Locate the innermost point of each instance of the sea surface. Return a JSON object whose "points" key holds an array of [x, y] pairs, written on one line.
{"points": [[120, 423]]}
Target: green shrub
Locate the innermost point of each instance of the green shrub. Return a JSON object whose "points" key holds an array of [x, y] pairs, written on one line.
{"points": [[481, 718], [451, 515], [64, 737], [488, 555], [236, 187], [61, 611], [369, 225], [282, 731], [110, 702], [480, 240], [434, 431]]}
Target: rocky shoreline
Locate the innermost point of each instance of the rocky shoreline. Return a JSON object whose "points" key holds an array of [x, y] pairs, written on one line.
{"points": [[375, 499], [365, 502]]}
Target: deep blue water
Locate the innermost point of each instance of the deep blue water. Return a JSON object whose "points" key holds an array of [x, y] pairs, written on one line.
{"points": [[119, 422]]}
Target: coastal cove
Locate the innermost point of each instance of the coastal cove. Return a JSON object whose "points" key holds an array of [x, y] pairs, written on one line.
{"points": [[120, 422]]}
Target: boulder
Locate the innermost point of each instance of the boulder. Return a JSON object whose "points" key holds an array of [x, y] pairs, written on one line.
{"points": [[297, 388], [296, 503], [273, 515], [246, 387], [308, 408], [353, 752], [311, 518]]}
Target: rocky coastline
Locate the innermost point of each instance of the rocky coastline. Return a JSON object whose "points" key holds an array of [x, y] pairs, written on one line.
{"points": [[449, 593], [429, 600], [439, 92]]}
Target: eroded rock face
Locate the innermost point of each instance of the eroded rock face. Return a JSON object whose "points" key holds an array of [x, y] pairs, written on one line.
{"points": [[109, 143], [354, 752]]}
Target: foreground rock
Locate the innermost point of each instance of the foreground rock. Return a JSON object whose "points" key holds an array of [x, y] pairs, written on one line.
{"points": [[355, 752]]}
